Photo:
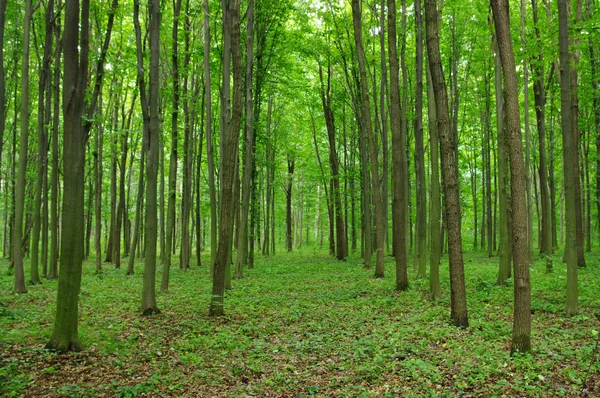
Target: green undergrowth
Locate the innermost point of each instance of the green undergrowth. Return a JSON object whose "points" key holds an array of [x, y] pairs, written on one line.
{"points": [[302, 324]]}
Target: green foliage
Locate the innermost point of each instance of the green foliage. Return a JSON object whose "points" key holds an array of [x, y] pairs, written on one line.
{"points": [[302, 325]]}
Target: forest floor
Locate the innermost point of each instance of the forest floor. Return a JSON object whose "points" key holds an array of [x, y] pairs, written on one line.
{"points": [[302, 325]]}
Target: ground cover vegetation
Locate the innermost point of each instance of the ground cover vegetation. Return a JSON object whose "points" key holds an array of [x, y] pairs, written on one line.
{"points": [[304, 324], [275, 165]]}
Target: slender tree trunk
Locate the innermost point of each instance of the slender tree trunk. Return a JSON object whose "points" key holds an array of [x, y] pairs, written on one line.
{"points": [[151, 116], [421, 247], [458, 297], [42, 146], [539, 93], [367, 128], [384, 128], [172, 193], [340, 230], [23, 143], [2, 76], [98, 167], [504, 199], [595, 80], [520, 243], [399, 203], [53, 268], [569, 159], [291, 163], [230, 138], [242, 254], [138, 210], [209, 146], [575, 55]]}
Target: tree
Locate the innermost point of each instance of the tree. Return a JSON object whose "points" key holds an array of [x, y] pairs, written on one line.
{"points": [[341, 237], [520, 242], [23, 143], [230, 137], [242, 253], [166, 257], [399, 203], [539, 93], [458, 295], [291, 164], [149, 305], [420, 248], [65, 335], [368, 135], [209, 146], [569, 159]]}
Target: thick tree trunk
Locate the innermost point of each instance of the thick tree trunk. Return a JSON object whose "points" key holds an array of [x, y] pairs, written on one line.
{"points": [[76, 46], [518, 174], [458, 296]]}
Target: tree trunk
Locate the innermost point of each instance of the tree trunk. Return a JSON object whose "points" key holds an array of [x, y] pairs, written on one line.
{"points": [[23, 143], [230, 138], [172, 193], [539, 93], [291, 162], [53, 267], [340, 230], [399, 203], [76, 47], [520, 243], [148, 305], [458, 297], [242, 252], [42, 145], [504, 251], [209, 146], [575, 55], [569, 159], [421, 246], [367, 129]]}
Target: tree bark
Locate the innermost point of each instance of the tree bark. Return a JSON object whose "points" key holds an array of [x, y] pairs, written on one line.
{"points": [[242, 253], [148, 305], [421, 246], [76, 48], [230, 138], [539, 93], [209, 147], [518, 174], [569, 159], [458, 297], [22, 170], [399, 203], [172, 189], [367, 128]]}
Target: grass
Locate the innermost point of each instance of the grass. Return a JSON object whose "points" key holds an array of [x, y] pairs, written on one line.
{"points": [[299, 325]]}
